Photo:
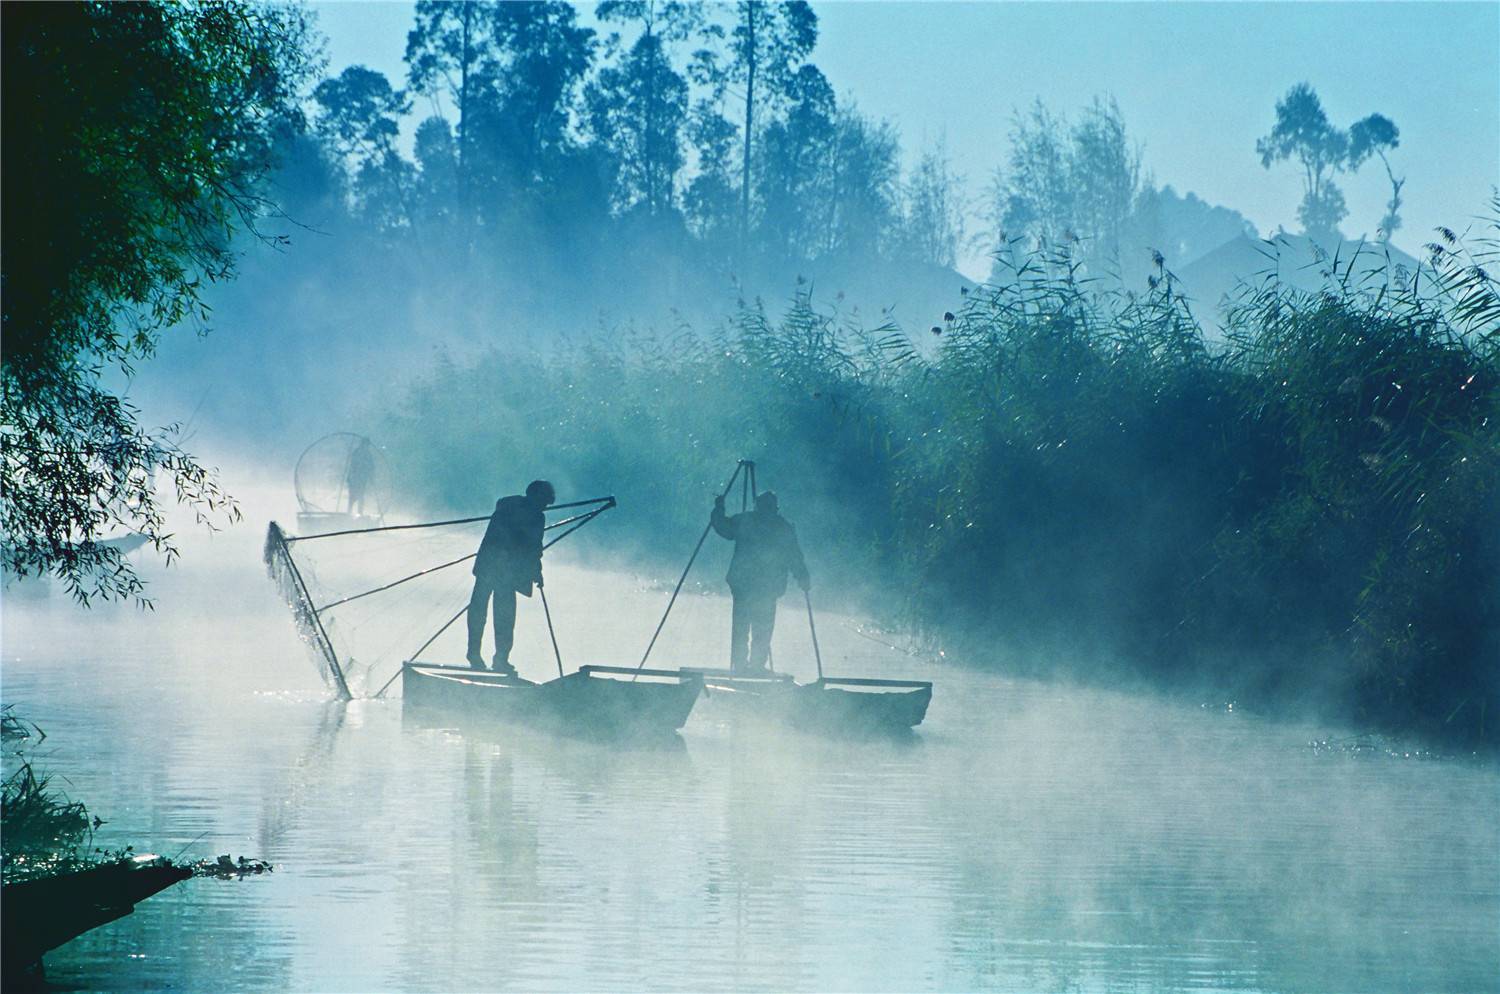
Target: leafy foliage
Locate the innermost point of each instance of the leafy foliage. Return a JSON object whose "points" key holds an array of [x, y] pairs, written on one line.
{"points": [[1303, 132], [637, 108], [1068, 183], [514, 72], [135, 138], [43, 830]]}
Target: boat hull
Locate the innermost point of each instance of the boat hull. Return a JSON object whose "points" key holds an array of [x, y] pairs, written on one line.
{"points": [[832, 704], [42, 914], [594, 701]]}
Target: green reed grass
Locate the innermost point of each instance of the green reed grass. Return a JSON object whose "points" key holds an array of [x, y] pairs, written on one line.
{"points": [[42, 832], [1298, 512]]}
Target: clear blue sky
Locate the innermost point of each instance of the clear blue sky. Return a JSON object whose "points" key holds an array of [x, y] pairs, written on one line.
{"points": [[1197, 83]]}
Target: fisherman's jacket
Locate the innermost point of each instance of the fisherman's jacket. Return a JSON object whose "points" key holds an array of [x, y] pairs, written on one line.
{"points": [[765, 550], [510, 554]]}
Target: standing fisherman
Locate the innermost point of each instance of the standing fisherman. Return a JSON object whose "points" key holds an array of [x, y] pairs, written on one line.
{"points": [[360, 475], [765, 549], [508, 563]]}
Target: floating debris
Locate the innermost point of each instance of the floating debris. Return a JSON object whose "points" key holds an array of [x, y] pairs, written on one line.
{"points": [[227, 867]]}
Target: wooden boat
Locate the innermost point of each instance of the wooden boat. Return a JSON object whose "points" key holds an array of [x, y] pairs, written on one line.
{"points": [[830, 704], [43, 914], [595, 700]]}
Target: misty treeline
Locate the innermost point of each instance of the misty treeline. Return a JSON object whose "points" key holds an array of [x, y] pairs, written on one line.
{"points": [[1299, 517], [704, 132], [565, 179], [672, 146], [676, 149]]}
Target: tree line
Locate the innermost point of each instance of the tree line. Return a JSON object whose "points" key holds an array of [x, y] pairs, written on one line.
{"points": [[714, 123], [681, 120], [665, 153]]}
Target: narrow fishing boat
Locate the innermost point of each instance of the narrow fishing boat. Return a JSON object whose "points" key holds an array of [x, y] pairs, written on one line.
{"points": [[591, 701], [831, 704], [42, 914]]}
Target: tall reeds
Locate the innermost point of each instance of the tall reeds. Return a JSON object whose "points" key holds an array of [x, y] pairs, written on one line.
{"points": [[1298, 512], [41, 830]]}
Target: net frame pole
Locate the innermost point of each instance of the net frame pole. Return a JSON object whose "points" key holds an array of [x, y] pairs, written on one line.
{"points": [[396, 583], [386, 528], [446, 625], [582, 519], [610, 500]]}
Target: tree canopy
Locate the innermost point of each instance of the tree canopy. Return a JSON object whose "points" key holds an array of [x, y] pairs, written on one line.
{"points": [[135, 137], [1303, 132]]}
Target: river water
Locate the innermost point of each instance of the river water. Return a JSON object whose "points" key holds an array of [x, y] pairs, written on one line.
{"points": [[1029, 836]]}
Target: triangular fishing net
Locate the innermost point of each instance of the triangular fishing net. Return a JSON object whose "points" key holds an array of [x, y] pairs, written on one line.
{"points": [[356, 632], [366, 599]]}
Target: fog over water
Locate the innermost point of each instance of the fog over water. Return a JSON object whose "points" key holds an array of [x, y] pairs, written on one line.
{"points": [[1029, 836], [1097, 353]]}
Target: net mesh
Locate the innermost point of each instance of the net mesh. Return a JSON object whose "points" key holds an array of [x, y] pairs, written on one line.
{"points": [[343, 473], [287, 577], [358, 634]]}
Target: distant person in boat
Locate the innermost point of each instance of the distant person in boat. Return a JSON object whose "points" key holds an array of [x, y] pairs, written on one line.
{"points": [[765, 550], [360, 475], [509, 562]]}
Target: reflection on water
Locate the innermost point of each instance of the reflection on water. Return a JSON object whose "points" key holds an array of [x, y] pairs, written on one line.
{"points": [[1028, 837]]}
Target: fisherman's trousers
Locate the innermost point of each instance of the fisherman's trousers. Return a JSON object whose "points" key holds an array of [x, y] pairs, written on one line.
{"points": [[754, 618], [503, 595]]}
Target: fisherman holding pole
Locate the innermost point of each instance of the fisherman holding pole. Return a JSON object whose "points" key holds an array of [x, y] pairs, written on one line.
{"points": [[508, 563], [765, 550]]}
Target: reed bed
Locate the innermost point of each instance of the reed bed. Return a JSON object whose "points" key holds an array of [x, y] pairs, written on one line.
{"points": [[42, 831], [1296, 512]]}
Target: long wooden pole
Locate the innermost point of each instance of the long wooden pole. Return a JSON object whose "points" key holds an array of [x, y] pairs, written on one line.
{"points": [[813, 627], [547, 612], [683, 578]]}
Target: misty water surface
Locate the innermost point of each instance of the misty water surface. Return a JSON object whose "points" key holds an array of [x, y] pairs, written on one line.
{"points": [[1028, 837]]}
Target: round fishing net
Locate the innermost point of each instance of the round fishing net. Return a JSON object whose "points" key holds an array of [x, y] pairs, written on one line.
{"points": [[343, 473]]}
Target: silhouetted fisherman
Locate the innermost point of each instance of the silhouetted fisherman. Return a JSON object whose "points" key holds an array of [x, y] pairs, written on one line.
{"points": [[509, 562], [360, 475], [765, 550]]}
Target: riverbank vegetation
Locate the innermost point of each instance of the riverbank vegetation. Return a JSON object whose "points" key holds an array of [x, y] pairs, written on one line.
{"points": [[44, 833], [1297, 516], [43, 830], [137, 138]]}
